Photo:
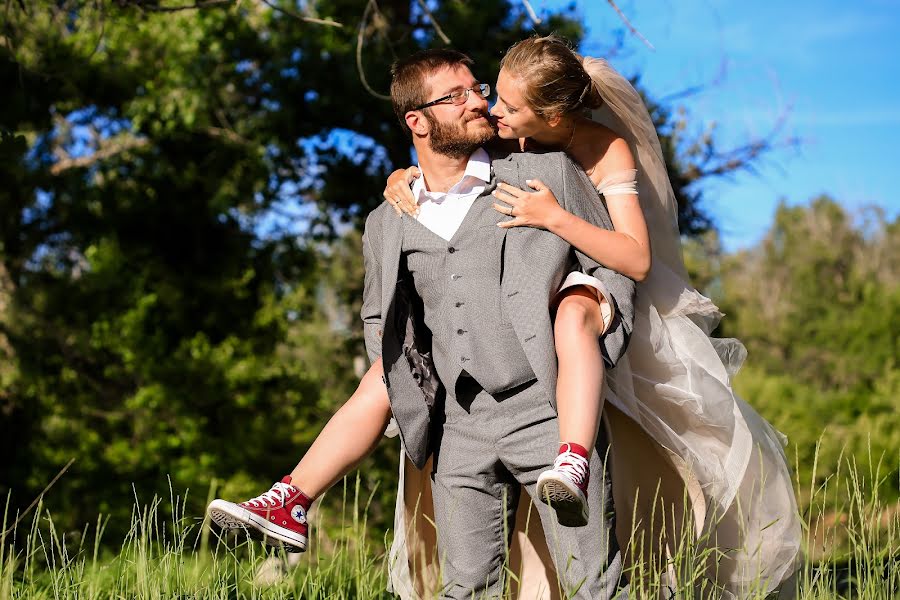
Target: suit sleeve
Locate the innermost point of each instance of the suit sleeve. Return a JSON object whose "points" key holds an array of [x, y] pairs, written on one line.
{"points": [[581, 199], [371, 305]]}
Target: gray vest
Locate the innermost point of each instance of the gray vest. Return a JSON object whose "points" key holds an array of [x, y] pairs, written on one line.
{"points": [[459, 283]]}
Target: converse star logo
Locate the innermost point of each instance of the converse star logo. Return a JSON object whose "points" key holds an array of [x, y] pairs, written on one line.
{"points": [[298, 514]]}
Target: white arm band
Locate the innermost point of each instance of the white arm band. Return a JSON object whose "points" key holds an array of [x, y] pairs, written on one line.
{"points": [[623, 183]]}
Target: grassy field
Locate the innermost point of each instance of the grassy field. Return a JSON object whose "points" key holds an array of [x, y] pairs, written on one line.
{"points": [[852, 541]]}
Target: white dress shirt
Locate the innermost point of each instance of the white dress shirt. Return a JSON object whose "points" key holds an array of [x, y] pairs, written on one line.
{"points": [[443, 212]]}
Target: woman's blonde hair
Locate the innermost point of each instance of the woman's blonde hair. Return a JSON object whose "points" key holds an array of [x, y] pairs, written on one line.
{"points": [[555, 82]]}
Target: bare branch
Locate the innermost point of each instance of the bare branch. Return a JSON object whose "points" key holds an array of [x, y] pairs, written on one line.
{"points": [[531, 14], [195, 6], [360, 37], [106, 150], [100, 35], [227, 134], [628, 24], [693, 90], [284, 11], [437, 27], [743, 157]]}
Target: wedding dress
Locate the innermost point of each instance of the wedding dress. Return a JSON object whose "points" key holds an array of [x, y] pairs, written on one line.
{"points": [[712, 482]]}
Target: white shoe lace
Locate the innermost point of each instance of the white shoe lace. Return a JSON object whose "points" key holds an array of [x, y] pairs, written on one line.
{"points": [[573, 466], [274, 497]]}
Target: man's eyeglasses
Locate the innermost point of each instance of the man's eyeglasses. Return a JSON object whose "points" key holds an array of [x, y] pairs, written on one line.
{"points": [[459, 97]]}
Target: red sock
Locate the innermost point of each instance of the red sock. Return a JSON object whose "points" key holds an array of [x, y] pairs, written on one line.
{"points": [[576, 449]]}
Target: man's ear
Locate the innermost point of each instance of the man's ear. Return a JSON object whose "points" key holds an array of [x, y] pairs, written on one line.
{"points": [[417, 122]]}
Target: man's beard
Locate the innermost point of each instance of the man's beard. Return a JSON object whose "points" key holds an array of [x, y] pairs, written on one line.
{"points": [[455, 140]]}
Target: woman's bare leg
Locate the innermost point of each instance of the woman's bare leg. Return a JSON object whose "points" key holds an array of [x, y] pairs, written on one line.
{"points": [[279, 515], [348, 437], [577, 327]]}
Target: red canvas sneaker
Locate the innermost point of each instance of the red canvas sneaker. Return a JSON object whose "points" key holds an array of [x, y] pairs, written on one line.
{"points": [[279, 515], [564, 487]]}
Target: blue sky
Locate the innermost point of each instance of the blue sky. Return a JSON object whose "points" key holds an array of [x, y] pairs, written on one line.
{"points": [[832, 67]]}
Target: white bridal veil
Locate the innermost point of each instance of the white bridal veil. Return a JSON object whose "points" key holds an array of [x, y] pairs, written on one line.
{"points": [[675, 383]]}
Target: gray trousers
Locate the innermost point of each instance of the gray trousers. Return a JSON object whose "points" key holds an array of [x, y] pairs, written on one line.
{"points": [[488, 447]]}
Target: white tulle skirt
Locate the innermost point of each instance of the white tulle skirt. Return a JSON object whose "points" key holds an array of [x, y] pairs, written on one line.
{"points": [[696, 471]]}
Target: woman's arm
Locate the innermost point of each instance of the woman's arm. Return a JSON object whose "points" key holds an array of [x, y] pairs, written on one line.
{"points": [[398, 193], [625, 250]]}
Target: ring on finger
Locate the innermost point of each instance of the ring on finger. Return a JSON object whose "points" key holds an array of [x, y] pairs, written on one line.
{"points": [[511, 209]]}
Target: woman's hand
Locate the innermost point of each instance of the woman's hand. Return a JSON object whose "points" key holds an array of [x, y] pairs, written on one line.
{"points": [[398, 193], [529, 209]]}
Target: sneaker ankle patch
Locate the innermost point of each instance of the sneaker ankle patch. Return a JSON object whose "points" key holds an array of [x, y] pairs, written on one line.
{"points": [[298, 514]]}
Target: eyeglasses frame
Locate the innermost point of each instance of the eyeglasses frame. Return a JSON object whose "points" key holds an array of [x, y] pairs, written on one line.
{"points": [[484, 90]]}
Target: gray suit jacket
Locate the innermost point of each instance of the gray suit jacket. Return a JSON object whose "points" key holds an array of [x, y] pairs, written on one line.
{"points": [[535, 263]]}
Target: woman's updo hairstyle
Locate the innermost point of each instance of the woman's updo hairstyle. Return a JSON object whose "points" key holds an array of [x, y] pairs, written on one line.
{"points": [[555, 82]]}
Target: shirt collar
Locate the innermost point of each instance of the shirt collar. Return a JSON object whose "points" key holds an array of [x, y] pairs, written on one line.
{"points": [[478, 167]]}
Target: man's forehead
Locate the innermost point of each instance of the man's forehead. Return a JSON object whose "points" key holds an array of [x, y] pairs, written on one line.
{"points": [[449, 77]]}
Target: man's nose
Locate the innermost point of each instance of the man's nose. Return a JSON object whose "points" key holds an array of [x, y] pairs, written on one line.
{"points": [[480, 101]]}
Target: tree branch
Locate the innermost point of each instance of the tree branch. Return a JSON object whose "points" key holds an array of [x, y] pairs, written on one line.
{"points": [[719, 164], [104, 151], [628, 24], [195, 6], [360, 37], [437, 27], [284, 11], [227, 134], [531, 14]]}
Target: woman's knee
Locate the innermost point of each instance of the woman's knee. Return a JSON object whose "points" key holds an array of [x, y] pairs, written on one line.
{"points": [[578, 314]]}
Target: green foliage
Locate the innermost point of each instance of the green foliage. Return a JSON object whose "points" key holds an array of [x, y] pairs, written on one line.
{"points": [[166, 306], [830, 425], [179, 248], [819, 297], [180, 263], [817, 303]]}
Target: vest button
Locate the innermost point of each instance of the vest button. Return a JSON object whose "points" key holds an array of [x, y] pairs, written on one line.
{"points": [[454, 277], [458, 304], [460, 331], [451, 249]]}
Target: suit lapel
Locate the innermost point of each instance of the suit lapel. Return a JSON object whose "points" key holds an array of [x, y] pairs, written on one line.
{"points": [[515, 273], [393, 242], [506, 171]]}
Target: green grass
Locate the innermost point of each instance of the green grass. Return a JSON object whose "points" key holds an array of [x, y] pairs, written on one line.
{"points": [[852, 539]]}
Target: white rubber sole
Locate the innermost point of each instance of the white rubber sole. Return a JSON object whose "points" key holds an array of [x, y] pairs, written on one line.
{"points": [[229, 515], [565, 498]]}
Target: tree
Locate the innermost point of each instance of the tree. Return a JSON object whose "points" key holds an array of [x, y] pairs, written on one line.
{"points": [[180, 182], [819, 297]]}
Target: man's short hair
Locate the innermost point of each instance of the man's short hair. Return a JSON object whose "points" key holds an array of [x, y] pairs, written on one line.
{"points": [[408, 77]]}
